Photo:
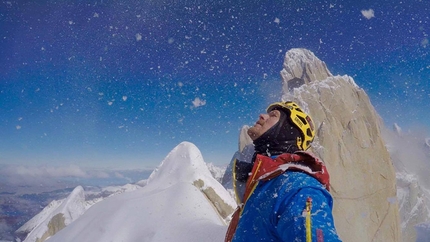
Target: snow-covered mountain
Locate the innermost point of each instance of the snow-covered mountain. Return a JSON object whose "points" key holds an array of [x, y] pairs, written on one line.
{"points": [[411, 159], [56, 216], [182, 201], [60, 213]]}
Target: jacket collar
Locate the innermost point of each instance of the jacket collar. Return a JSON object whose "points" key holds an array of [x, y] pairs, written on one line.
{"points": [[266, 168]]}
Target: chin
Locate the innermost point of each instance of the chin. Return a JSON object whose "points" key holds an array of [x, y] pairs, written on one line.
{"points": [[253, 135]]}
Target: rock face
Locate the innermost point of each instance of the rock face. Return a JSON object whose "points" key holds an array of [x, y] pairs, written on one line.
{"points": [[302, 67], [363, 179]]}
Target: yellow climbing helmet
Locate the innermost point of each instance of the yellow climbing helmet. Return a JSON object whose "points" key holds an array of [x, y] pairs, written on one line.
{"points": [[300, 119]]}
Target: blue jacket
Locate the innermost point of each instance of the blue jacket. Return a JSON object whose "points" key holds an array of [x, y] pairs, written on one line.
{"points": [[275, 211]]}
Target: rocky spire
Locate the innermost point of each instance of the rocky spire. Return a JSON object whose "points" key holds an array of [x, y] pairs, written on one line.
{"points": [[349, 140], [300, 67]]}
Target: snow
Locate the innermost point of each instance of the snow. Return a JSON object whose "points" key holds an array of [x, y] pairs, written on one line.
{"points": [[297, 58], [42, 216], [71, 208], [169, 208], [120, 189], [217, 172], [397, 129]]}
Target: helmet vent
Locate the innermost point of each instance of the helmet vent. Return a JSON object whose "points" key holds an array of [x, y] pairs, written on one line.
{"points": [[303, 120], [309, 132]]}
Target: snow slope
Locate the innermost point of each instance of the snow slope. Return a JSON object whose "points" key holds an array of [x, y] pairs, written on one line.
{"points": [[173, 206], [46, 223], [56, 215]]}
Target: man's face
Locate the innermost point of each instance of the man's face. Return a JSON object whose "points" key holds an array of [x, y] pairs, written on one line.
{"points": [[264, 123]]}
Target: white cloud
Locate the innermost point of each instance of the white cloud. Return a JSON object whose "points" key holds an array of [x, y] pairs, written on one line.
{"points": [[98, 174], [39, 175], [368, 13], [198, 102], [119, 175], [68, 171]]}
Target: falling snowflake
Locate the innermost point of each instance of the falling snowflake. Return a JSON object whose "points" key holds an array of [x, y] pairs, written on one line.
{"points": [[138, 37], [368, 13], [198, 102]]}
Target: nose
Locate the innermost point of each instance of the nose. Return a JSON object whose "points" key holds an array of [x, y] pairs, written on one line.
{"points": [[263, 116]]}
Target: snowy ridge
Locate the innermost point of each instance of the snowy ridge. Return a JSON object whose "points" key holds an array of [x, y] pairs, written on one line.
{"points": [[120, 189], [184, 164], [171, 170], [70, 209], [58, 216], [42, 216], [329, 83], [175, 205]]}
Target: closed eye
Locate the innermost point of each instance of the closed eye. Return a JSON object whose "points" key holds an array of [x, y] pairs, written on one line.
{"points": [[274, 113]]}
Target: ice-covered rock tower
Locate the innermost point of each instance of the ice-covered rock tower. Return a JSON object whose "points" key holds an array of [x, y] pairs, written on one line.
{"points": [[363, 179]]}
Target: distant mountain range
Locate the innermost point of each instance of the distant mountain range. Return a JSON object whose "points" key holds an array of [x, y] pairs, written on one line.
{"points": [[21, 202]]}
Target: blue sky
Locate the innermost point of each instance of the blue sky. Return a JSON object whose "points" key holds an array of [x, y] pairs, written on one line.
{"points": [[120, 83]]}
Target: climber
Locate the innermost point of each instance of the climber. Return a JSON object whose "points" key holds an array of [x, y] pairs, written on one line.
{"points": [[286, 196]]}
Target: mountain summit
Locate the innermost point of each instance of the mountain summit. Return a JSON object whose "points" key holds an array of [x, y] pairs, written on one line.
{"points": [[349, 140], [300, 67], [181, 202]]}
